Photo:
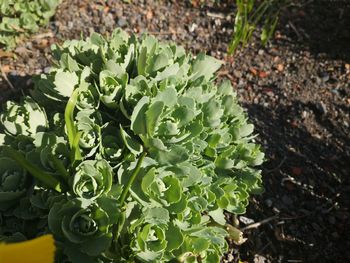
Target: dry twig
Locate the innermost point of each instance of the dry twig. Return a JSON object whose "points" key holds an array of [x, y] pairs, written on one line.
{"points": [[258, 224], [5, 77]]}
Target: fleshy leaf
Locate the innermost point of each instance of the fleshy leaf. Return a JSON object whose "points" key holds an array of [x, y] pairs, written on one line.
{"points": [[157, 216], [138, 117], [205, 66], [65, 83], [152, 116]]}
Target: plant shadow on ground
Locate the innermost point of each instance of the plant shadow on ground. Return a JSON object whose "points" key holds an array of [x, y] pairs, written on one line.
{"points": [[14, 87], [320, 25], [312, 212]]}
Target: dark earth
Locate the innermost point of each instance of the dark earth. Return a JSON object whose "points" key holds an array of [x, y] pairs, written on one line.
{"points": [[296, 91]]}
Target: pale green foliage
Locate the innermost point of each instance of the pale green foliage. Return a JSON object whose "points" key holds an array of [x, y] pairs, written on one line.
{"points": [[20, 17], [26, 118], [92, 179], [149, 152]]}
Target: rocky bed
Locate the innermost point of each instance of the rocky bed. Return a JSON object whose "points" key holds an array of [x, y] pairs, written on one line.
{"points": [[296, 91]]}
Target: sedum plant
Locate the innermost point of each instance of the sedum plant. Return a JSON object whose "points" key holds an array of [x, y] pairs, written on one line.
{"points": [[127, 151], [20, 17]]}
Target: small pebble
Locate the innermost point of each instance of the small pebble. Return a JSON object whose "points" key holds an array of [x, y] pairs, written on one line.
{"points": [[122, 22], [246, 220], [304, 114], [324, 76], [280, 67], [237, 74], [322, 107], [268, 202]]}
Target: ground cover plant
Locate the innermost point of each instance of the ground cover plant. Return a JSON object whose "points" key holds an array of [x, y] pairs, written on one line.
{"points": [[21, 17], [127, 150]]}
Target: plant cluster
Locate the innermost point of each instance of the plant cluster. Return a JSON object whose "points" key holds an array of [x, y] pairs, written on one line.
{"points": [[127, 151], [250, 14], [21, 17]]}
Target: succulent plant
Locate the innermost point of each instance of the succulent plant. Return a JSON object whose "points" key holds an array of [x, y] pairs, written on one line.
{"points": [[142, 150]]}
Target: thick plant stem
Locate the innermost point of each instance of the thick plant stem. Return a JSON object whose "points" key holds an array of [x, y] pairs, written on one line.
{"points": [[72, 132], [132, 179], [119, 226]]}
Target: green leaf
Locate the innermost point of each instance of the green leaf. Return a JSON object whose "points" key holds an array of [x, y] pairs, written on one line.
{"points": [[216, 235], [174, 192], [167, 96], [142, 61], [213, 113], [40, 175], [183, 115], [179, 207], [205, 66], [152, 116], [218, 216], [59, 167], [138, 117], [69, 63], [157, 216], [174, 237], [224, 163], [97, 39], [131, 143], [200, 244], [95, 247], [168, 72], [148, 256], [65, 83], [176, 154], [148, 180], [157, 62], [246, 130]]}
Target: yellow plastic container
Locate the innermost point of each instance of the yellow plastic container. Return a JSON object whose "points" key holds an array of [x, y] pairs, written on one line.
{"points": [[39, 250]]}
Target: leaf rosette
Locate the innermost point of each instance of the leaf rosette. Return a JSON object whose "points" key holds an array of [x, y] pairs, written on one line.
{"points": [[49, 150], [92, 179], [85, 227], [14, 183], [112, 146], [90, 131]]}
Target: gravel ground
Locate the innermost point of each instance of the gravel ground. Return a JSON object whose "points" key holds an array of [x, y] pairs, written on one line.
{"points": [[296, 91]]}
